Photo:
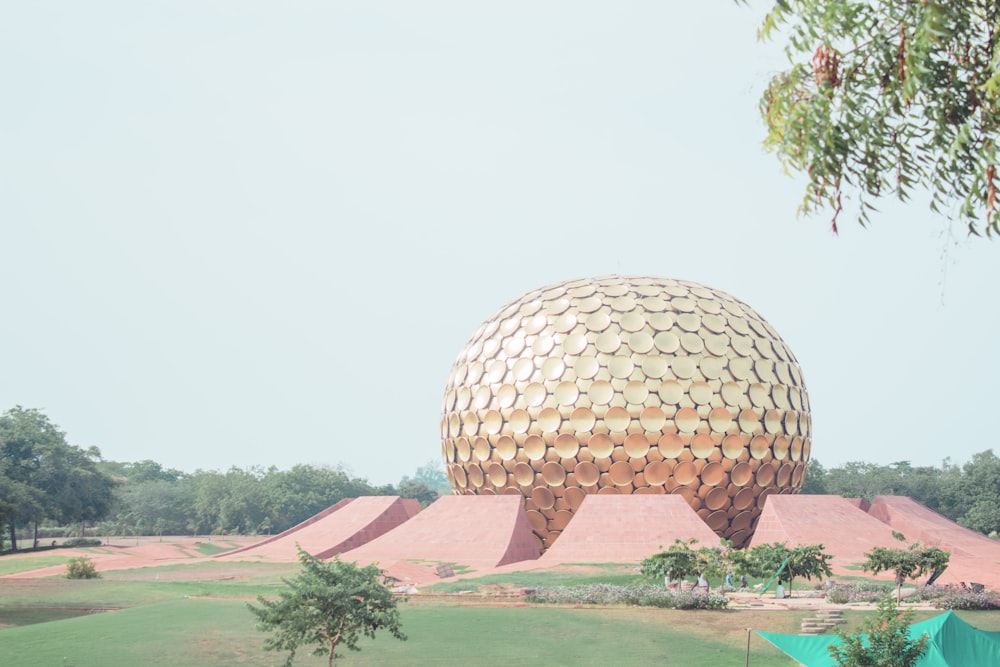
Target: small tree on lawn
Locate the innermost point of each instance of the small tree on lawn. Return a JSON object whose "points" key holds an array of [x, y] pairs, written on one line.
{"points": [[881, 641], [764, 560], [327, 604], [677, 562], [909, 563]]}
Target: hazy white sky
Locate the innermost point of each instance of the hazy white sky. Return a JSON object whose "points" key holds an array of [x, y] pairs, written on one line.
{"points": [[258, 233]]}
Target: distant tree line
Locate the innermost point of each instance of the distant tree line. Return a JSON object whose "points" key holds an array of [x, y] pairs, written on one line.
{"points": [[968, 494], [49, 487]]}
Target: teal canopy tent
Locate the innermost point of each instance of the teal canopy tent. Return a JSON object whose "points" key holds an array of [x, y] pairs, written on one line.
{"points": [[952, 643]]}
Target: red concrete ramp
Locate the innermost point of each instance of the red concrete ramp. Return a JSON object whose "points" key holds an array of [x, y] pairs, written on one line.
{"points": [[347, 525], [627, 529], [974, 557], [843, 528], [478, 531], [919, 523]]}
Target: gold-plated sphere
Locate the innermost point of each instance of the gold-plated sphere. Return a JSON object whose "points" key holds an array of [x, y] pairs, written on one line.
{"points": [[627, 384]]}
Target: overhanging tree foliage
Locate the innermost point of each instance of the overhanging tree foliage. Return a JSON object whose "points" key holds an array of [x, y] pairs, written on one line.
{"points": [[329, 603], [887, 96]]}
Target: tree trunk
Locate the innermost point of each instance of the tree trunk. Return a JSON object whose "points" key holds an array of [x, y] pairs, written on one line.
{"points": [[13, 536], [35, 534]]}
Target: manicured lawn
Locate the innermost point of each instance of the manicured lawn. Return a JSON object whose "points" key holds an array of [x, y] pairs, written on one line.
{"points": [[26, 564], [221, 632]]}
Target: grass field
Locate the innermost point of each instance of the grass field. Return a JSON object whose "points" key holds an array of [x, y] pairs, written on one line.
{"points": [[196, 615]]}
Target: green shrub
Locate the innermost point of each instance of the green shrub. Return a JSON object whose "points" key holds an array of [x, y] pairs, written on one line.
{"points": [[81, 568], [82, 542]]}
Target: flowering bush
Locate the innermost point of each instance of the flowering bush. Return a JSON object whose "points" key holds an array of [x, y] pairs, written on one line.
{"points": [[965, 598], [858, 591], [640, 595]]}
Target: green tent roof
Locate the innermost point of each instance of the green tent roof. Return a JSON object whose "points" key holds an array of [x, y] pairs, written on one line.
{"points": [[953, 643]]}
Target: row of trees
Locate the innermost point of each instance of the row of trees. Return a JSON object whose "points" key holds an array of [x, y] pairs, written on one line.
{"points": [[968, 494], [152, 500], [46, 482]]}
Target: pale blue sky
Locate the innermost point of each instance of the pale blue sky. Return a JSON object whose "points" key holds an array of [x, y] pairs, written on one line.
{"points": [[256, 233]]}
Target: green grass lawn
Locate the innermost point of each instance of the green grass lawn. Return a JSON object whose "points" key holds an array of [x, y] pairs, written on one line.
{"points": [[196, 615]]}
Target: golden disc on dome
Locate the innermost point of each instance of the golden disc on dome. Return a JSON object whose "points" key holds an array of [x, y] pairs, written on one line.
{"points": [[575, 343], [534, 447], [549, 420], [598, 321], [666, 342], [713, 474], [553, 473], [683, 367], [671, 392], [733, 445], [622, 304], [635, 392], [749, 421], [685, 473], [656, 473], [702, 445], [497, 474], [574, 497], [586, 474], [692, 342], [743, 519], [586, 367], [765, 476], [566, 445], [633, 321], [798, 474], [589, 304], [772, 421], [543, 498], [582, 420], [784, 475], [621, 473], [716, 520], [553, 368], [652, 419], [566, 393], [475, 474], [796, 449], [617, 419], [732, 394], [636, 445], [654, 366], [600, 392], [481, 448], [523, 474], [492, 421], [701, 393], [534, 394], [741, 474], [608, 342], [463, 449], [640, 342], [600, 445], [621, 367], [670, 445], [712, 367], [686, 420], [506, 448], [780, 447], [720, 419], [759, 447]]}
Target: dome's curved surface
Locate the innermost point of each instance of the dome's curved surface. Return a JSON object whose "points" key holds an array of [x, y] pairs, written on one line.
{"points": [[627, 384]]}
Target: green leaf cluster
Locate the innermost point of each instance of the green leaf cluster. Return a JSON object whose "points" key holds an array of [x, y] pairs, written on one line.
{"points": [[883, 97], [882, 641], [764, 560]]}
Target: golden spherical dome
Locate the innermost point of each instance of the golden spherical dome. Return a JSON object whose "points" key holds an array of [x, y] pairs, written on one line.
{"points": [[627, 384]]}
